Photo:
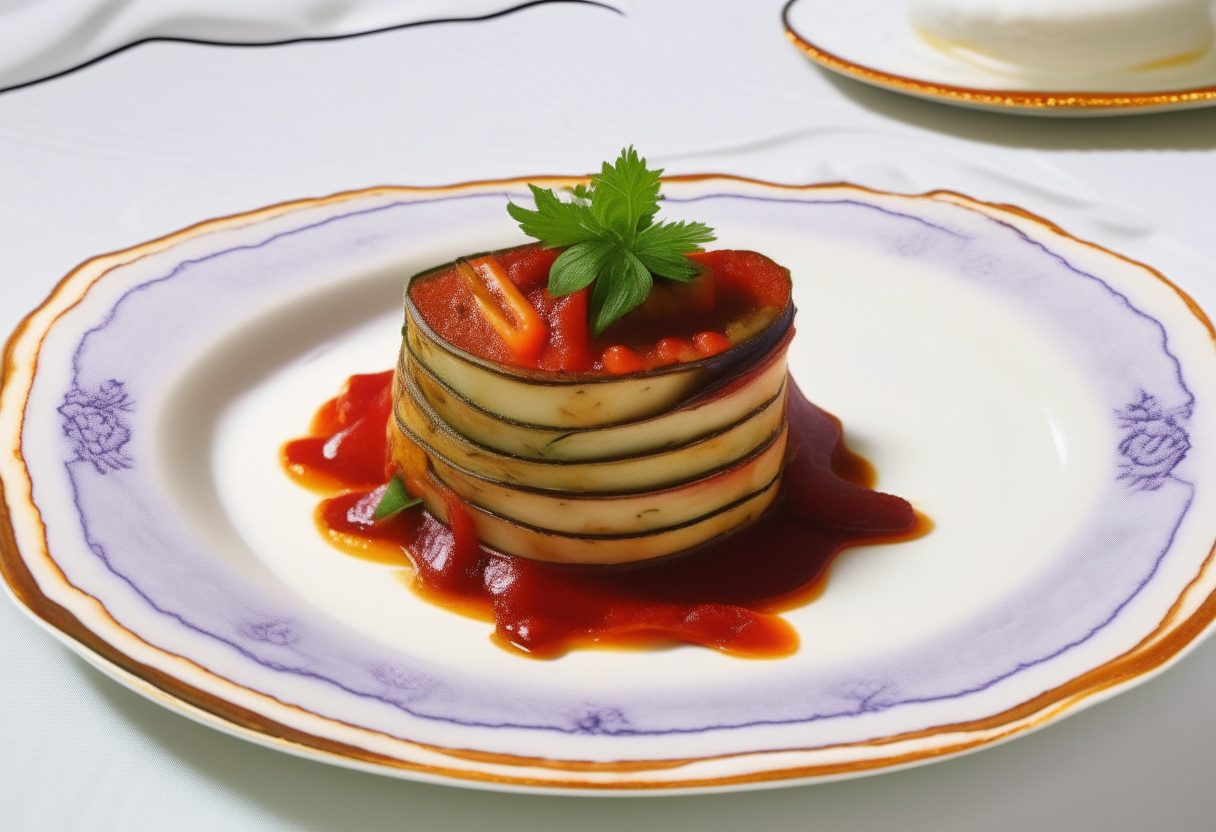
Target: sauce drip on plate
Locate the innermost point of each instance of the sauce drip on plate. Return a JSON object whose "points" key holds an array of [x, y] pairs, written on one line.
{"points": [[724, 595]]}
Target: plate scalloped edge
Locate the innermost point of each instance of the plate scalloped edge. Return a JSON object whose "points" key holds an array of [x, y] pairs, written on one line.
{"points": [[82, 622]]}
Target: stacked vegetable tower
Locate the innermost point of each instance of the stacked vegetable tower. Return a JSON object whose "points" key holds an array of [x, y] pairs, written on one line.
{"points": [[582, 428]]}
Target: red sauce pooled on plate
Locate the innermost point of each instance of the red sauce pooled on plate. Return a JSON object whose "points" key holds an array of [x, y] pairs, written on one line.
{"points": [[724, 595]]}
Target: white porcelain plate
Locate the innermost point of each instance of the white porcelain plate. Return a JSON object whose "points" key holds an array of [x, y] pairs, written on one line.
{"points": [[873, 41], [1048, 404]]}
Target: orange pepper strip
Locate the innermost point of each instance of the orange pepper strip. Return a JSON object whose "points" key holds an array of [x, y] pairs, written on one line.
{"points": [[505, 307]]}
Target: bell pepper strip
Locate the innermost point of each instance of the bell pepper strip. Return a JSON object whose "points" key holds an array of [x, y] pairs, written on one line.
{"points": [[568, 348], [505, 307]]}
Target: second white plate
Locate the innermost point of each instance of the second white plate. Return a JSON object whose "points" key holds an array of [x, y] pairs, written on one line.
{"points": [[873, 41]]}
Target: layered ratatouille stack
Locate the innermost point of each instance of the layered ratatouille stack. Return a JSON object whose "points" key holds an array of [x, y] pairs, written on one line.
{"points": [[661, 428]]}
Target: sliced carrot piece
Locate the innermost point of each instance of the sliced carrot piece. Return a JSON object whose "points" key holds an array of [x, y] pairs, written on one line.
{"points": [[505, 307]]}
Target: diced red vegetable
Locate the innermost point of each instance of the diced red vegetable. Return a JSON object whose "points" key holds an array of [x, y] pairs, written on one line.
{"points": [[710, 343], [619, 360], [673, 351]]}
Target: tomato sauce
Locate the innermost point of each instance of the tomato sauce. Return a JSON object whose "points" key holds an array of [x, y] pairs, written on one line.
{"points": [[724, 595], [736, 293]]}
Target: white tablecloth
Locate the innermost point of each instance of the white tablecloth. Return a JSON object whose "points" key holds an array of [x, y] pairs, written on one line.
{"points": [[166, 134]]}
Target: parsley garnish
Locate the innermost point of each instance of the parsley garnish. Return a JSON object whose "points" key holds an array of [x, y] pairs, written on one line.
{"points": [[611, 238]]}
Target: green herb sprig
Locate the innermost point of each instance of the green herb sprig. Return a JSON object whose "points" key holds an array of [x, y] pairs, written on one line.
{"points": [[611, 238], [395, 500]]}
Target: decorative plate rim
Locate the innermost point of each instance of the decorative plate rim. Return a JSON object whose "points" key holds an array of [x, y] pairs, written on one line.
{"points": [[1030, 102], [1186, 621]]}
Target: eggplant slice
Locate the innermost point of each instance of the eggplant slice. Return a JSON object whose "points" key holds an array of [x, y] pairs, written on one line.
{"points": [[630, 474], [607, 514], [709, 411], [567, 401], [524, 540]]}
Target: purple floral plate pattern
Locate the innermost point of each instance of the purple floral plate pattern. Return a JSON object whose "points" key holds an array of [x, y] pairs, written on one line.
{"points": [[115, 562]]}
